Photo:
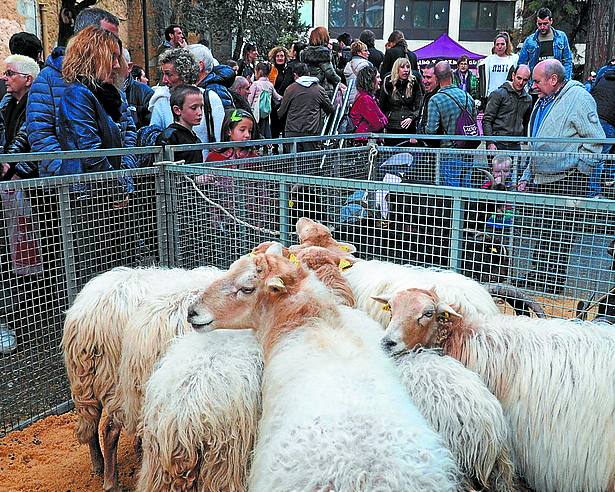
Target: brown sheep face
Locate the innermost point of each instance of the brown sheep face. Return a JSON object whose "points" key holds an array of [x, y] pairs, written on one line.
{"points": [[418, 319]]}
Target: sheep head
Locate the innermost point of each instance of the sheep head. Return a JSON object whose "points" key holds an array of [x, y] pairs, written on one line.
{"points": [[314, 234], [253, 283], [418, 318]]}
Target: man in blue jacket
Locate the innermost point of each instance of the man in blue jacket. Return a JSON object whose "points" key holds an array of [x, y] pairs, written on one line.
{"points": [[48, 89], [546, 43]]}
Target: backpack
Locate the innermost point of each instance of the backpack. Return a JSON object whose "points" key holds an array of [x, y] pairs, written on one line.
{"points": [[465, 125], [264, 104]]}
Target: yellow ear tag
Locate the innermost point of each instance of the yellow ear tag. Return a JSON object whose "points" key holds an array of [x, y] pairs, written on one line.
{"points": [[293, 259], [252, 254], [344, 264], [444, 315], [343, 247], [386, 307], [291, 204]]}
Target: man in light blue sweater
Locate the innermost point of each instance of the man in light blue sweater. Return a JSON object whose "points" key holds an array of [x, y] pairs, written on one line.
{"points": [[564, 110]]}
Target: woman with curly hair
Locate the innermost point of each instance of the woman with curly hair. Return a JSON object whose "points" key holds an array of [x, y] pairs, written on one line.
{"points": [[400, 99], [93, 113], [317, 56], [365, 113]]}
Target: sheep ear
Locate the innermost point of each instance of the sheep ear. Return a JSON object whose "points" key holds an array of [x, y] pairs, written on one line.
{"points": [[276, 284], [384, 299], [275, 249], [445, 312]]}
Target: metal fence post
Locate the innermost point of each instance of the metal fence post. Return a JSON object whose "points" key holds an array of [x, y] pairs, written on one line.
{"points": [[166, 250], [284, 214], [456, 235], [66, 228]]}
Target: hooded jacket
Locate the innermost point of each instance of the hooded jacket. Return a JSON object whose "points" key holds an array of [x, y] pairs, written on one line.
{"points": [[304, 103], [351, 70], [42, 112], [19, 142], [219, 80], [571, 115], [507, 112], [318, 60]]}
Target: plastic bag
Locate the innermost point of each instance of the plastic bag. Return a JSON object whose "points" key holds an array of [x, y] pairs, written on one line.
{"points": [[23, 236]]}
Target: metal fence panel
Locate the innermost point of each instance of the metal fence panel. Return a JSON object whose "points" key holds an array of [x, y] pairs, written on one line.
{"points": [[56, 234]]}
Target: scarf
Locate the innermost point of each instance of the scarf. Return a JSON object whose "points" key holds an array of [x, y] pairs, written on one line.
{"points": [[109, 97]]}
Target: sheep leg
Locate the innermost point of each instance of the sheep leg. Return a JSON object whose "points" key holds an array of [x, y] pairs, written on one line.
{"points": [[111, 435], [96, 455]]}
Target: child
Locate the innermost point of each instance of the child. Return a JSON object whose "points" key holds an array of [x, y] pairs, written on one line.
{"points": [[263, 110], [187, 107], [501, 171], [238, 126]]}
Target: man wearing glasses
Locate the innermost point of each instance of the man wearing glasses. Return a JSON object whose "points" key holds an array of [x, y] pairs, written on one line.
{"points": [[546, 43], [18, 76]]}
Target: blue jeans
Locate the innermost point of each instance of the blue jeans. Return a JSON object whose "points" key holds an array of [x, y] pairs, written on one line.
{"points": [[456, 170]]}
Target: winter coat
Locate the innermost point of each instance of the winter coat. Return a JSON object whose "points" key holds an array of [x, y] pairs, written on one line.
{"points": [[19, 142], [571, 115], [375, 57], [397, 106], [507, 112], [85, 125], [219, 80], [258, 86], [351, 70], [604, 94], [318, 60], [138, 96], [304, 103], [392, 54], [366, 115], [213, 114], [42, 112], [530, 51], [176, 134]]}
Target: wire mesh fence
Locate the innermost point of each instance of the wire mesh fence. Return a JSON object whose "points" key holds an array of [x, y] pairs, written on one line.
{"points": [[55, 235], [392, 203]]}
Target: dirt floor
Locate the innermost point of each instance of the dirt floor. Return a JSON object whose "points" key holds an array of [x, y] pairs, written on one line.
{"points": [[46, 457]]}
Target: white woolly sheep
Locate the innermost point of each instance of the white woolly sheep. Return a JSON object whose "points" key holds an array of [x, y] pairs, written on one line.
{"points": [[335, 415], [92, 344], [458, 405], [554, 379], [374, 278], [201, 410]]}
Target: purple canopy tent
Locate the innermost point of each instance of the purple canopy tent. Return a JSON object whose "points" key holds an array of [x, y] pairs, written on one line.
{"points": [[445, 48]]}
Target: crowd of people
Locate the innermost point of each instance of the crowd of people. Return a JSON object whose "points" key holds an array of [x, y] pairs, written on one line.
{"points": [[89, 95]]}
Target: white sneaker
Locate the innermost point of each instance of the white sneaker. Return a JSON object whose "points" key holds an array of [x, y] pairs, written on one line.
{"points": [[8, 340]]}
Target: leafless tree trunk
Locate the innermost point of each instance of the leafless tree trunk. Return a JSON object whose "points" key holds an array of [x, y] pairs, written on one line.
{"points": [[600, 47]]}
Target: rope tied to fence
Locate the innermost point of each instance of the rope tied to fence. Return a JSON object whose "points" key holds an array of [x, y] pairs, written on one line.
{"points": [[229, 214]]}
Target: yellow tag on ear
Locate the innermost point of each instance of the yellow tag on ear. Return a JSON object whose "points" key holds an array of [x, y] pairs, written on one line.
{"points": [[293, 259], [252, 254], [386, 307], [444, 315], [344, 264], [493, 250], [291, 204], [343, 247]]}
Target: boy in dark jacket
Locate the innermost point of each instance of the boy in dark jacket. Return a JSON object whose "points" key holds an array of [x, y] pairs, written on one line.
{"points": [[187, 107]]}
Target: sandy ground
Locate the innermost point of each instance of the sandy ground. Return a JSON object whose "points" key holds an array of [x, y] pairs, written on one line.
{"points": [[47, 457]]}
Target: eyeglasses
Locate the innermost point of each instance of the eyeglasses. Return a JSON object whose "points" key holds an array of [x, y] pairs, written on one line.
{"points": [[10, 73]]}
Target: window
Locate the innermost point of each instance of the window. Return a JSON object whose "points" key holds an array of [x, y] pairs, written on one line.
{"points": [[481, 21], [306, 12], [421, 19], [353, 16]]}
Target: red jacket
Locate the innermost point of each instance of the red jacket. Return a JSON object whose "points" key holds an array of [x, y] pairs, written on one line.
{"points": [[366, 115]]}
